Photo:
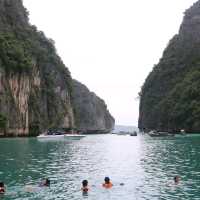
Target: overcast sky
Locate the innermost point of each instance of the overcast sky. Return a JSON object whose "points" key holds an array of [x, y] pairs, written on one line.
{"points": [[110, 45]]}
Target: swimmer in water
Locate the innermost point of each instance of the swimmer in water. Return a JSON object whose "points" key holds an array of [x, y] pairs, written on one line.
{"points": [[177, 180], [32, 188], [107, 184], [2, 188], [45, 183], [85, 187]]}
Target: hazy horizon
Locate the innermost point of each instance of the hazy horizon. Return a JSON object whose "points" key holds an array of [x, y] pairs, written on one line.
{"points": [[110, 45]]}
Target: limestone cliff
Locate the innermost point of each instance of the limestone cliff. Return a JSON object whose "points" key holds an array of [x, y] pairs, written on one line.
{"points": [[92, 115], [35, 85], [170, 96]]}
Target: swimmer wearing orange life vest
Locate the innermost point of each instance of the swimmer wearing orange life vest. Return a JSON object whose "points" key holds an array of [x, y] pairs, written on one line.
{"points": [[2, 188], [85, 187], [107, 183]]}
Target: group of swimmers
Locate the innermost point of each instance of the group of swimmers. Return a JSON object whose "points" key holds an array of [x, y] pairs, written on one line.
{"points": [[107, 184], [44, 183], [85, 188]]}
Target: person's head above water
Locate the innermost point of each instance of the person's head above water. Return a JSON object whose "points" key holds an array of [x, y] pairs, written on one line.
{"points": [[1, 184], [46, 183], [85, 183], [107, 183], [107, 180], [85, 188], [2, 188], [176, 179]]}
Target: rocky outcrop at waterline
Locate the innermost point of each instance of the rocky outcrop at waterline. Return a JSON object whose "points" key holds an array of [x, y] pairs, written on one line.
{"points": [[35, 86], [91, 113], [170, 96]]}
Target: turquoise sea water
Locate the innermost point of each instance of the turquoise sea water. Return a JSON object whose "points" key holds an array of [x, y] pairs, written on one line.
{"points": [[145, 165]]}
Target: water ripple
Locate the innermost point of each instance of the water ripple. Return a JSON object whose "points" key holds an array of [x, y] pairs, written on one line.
{"points": [[146, 166]]}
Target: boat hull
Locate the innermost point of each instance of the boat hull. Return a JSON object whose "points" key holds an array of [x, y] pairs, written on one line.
{"points": [[50, 137], [160, 134], [74, 136], [59, 137]]}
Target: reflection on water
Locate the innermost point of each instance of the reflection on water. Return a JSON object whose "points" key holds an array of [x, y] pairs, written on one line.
{"points": [[144, 165]]}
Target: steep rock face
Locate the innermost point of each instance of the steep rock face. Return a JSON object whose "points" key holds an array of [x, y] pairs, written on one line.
{"points": [[92, 115], [35, 86], [170, 96]]}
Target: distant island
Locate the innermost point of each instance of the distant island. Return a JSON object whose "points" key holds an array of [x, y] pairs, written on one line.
{"points": [[170, 96], [124, 128], [37, 91]]}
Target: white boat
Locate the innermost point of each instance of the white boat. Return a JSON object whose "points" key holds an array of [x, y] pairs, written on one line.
{"points": [[51, 137], [56, 135], [154, 133]]}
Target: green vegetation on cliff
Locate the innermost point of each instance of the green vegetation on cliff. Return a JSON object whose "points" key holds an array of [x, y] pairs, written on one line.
{"points": [[170, 96], [35, 85], [2, 122], [36, 88], [13, 55]]}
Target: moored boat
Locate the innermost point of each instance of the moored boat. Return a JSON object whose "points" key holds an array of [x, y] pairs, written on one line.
{"points": [[53, 136], [56, 134], [160, 134], [133, 134]]}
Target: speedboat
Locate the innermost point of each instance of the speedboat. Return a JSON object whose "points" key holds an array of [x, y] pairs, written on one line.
{"points": [[51, 135], [43, 136], [59, 134], [160, 134], [133, 134]]}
